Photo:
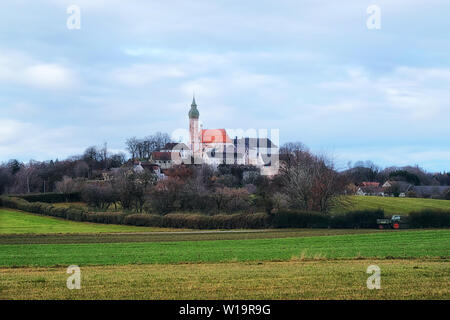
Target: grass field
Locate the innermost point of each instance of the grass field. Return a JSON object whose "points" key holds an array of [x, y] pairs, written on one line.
{"points": [[403, 244], [390, 205], [13, 221], [400, 279], [117, 262]]}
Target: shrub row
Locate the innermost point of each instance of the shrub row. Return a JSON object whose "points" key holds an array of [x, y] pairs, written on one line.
{"points": [[144, 219], [200, 221], [219, 221], [429, 219], [302, 219], [282, 219], [357, 219], [105, 217], [299, 219], [173, 220], [51, 197], [286, 219], [70, 213]]}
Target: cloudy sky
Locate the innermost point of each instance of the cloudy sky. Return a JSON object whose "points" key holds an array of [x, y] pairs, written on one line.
{"points": [[311, 69]]}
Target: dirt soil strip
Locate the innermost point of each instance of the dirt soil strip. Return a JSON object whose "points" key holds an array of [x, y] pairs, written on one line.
{"points": [[171, 236]]}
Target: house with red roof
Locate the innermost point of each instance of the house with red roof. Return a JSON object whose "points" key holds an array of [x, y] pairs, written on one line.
{"points": [[215, 147]]}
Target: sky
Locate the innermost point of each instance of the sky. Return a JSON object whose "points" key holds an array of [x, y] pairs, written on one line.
{"points": [[311, 69]]}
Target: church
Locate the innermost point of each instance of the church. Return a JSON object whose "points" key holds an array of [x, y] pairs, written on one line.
{"points": [[215, 147]]}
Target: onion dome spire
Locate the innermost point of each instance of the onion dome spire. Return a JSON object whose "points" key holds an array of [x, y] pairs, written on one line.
{"points": [[193, 113]]}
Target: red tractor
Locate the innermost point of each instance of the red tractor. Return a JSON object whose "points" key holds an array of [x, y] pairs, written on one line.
{"points": [[396, 222]]}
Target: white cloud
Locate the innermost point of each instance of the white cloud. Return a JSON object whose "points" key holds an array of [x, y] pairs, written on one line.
{"points": [[22, 139], [11, 129], [144, 74], [49, 76], [20, 109], [413, 93], [17, 68]]}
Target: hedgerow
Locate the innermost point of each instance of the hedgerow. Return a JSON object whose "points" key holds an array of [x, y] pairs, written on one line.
{"points": [[50, 197], [281, 219], [429, 218]]}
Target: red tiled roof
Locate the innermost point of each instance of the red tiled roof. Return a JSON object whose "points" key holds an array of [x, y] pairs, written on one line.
{"points": [[157, 155], [175, 146], [215, 136], [370, 184]]}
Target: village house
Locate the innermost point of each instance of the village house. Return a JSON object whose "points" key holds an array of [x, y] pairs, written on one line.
{"points": [[140, 167], [180, 148], [401, 189], [370, 189], [430, 191], [162, 159]]}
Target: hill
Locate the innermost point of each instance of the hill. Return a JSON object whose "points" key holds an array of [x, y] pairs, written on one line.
{"points": [[13, 221], [390, 205]]}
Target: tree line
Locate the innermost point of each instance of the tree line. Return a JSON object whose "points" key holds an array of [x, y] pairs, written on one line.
{"points": [[42, 176], [367, 171], [305, 181], [142, 148]]}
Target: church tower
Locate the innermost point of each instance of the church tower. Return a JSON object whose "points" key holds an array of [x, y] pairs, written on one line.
{"points": [[193, 128]]}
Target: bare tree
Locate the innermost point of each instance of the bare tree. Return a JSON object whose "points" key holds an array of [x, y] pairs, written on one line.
{"points": [[159, 140], [104, 156], [81, 169], [99, 196], [6, 179], [132, 147], [143, 148], [309, 181], [27, 179], [132, 188], [68, 185]]}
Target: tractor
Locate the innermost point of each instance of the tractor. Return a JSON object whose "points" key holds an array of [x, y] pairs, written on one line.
{"points": [[396, 222]]}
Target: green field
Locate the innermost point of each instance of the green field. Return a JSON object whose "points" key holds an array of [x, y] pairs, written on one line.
{"points": [[403, 244], [13, 221], [117, 262], [390, 205]]}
